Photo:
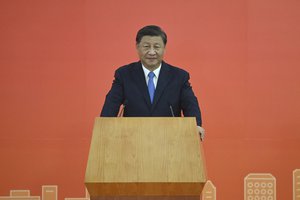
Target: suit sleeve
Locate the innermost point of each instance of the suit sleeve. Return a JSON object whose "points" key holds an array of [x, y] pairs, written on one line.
{"points": [[114, 98], [189, 102]]}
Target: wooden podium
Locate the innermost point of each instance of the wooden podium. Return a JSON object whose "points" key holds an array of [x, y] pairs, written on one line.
{"points": [[145, 158]]}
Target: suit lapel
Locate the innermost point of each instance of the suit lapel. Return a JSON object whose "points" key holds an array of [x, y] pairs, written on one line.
{"points": [[163, 80], [139, 78]]}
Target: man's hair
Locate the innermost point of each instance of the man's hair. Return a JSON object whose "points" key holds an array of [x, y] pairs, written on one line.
{"points": [[151, 30]]}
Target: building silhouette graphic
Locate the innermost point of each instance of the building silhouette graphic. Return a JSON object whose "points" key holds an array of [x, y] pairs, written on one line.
{"points": [[209, 191], [296, 184], [19, 195], [259, 186], [49, 192]]}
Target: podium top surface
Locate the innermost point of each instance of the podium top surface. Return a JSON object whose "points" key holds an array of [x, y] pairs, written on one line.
{"points": [[145, 150]]}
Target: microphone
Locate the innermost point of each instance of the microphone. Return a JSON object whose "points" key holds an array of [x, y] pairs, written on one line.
{"points": [[172, 112], [122, 109]]}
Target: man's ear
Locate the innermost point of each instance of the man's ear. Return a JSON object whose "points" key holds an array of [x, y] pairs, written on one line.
{"points": [[137, 47], [165, 49]]}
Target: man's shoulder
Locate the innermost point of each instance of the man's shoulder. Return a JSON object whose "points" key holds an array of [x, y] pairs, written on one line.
{"points": [[128, 67], [175, 69]]}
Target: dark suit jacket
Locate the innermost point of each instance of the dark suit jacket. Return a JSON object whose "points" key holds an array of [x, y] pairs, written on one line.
{"points": [[130, 88]]}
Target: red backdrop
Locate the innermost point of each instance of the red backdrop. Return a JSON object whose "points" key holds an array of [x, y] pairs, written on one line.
{"points": [[57, 60]]}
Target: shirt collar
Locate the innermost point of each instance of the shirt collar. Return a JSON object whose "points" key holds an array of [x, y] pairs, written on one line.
{"points": [[156, 71]]}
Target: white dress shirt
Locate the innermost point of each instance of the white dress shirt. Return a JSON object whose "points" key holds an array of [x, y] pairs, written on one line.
{"points": [[155, 78]]}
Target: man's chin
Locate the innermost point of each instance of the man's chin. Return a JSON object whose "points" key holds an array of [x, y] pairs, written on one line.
{"points": [[152, 67], [152, 64]]}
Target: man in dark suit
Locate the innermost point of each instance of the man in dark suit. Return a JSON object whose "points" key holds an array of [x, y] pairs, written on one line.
{"points": [[152, 87]]}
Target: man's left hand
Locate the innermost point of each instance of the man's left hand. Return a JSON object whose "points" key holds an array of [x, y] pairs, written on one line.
{"points": [[201, 132]]}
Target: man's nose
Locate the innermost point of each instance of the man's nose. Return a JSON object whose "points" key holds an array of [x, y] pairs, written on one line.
{"points": [[152, 51]]}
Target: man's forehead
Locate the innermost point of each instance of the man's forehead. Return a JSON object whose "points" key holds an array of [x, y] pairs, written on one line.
{"points": [[151, 39]]}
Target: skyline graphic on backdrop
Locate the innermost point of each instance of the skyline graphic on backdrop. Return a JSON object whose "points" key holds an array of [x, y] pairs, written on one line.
{"points": [[257, 186]]}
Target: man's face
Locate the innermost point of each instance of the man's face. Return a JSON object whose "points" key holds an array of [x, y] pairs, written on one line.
{"points": [[151, 50]]}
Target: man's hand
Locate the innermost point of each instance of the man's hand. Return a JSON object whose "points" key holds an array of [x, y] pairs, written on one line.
{"points": [[201, 132]]}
